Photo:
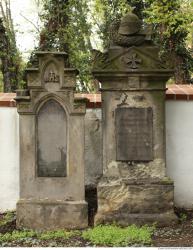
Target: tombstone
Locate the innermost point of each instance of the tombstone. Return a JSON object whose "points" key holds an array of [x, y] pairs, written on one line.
{"points": [[134, 187], [52, 192]]}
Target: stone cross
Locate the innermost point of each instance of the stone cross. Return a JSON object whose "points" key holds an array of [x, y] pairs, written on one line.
{"points": [[132, 61], [52, 77]]}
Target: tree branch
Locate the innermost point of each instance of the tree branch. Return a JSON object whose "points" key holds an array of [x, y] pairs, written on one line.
{"points": [[37, 29]]}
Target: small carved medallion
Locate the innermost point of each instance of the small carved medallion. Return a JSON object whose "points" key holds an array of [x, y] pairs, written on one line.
{"points": [[132, 60]]}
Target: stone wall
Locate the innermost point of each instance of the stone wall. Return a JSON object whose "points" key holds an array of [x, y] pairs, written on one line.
{"points": [[93, 147], [179, 146], [9, 158]]}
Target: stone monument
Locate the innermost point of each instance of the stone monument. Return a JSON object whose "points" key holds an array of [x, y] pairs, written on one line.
{"points": [[52, 192], [134, 187]]}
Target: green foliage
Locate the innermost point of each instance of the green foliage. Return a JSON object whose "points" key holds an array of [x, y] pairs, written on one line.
{"points": [[11, 60], [54, 17], [138, 7], [78, 38], [16, 235], [105, 12], [79, 26], [1, 82], [53, 235], [111, 235], [66, 28], [172, 20], [44, 236], [183, 217], [8, 217]]}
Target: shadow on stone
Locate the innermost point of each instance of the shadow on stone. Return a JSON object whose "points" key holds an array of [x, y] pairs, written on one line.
{"points": [[91, 199]]}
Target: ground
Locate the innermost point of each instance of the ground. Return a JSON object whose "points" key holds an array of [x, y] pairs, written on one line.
{"points": [[174, 236]]}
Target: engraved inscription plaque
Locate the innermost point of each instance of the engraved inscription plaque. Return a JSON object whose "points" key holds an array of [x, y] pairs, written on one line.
{"points": [[51, 140], [134, 134]]}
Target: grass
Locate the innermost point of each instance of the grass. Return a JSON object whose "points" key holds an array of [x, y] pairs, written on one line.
{"points": [[112, 235]]}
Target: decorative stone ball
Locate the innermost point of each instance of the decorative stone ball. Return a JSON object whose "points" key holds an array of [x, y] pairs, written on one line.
{"points": [[130, 24]]}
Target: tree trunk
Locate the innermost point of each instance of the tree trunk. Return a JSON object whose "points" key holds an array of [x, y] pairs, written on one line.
{"points": [[181, 75], [8, 68]]}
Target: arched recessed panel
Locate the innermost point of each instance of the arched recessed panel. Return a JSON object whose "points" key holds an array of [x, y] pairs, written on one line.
{"points": [[51, 140]]}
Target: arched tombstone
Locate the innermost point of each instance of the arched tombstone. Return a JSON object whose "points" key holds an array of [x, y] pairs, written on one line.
{"points": [[52, 149], [52, 190]]}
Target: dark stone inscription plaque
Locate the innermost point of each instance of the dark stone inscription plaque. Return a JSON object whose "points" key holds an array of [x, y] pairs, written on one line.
{"points": [[134, 132], [52, 140]]}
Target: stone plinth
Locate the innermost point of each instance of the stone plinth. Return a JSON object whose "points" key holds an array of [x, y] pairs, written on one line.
{"points": [[51, 214], [134, 187], [52, 192]]}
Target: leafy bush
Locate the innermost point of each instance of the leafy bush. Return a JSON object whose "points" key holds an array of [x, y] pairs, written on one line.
{"points": [[111, 235]]}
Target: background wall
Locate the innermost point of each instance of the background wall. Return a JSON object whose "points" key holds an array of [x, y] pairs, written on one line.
{"points": [[9, 158], [179, 149], [93, 147]]}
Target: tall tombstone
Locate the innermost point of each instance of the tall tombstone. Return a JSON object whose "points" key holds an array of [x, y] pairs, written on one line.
{"points": [[134, 187], [52, 192]]}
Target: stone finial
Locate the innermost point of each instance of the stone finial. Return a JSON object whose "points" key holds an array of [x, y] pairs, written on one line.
{"points": [[130, 24], [128, 31]]}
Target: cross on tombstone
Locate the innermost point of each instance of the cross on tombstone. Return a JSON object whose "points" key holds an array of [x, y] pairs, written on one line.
{"points": [[133, 60], [52, 182], [52, 76]]}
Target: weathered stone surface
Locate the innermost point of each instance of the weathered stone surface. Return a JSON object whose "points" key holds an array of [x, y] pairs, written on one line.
{"points": [[125, 219], [51, 215], [93, 147], [52, 189], [136, 171], [134, 187], [128, 31], [137, 201], [52, 140], [134, 140]]}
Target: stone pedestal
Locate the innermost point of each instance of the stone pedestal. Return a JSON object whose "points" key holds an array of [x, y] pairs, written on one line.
{"points": [[134, 187], [52, 192]]}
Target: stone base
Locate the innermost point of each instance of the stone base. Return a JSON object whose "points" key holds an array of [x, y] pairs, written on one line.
{"points": [[51, 215], [135, 203], [161, 220]]}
